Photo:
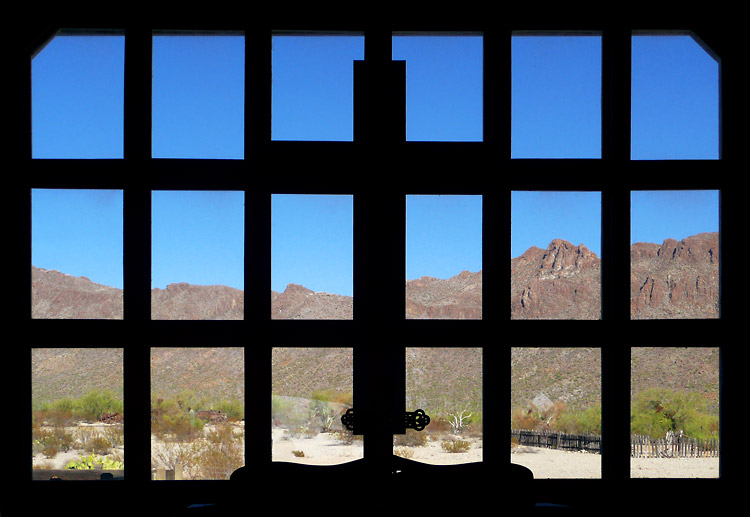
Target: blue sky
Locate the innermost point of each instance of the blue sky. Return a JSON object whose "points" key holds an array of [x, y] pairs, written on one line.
{"points": [[443, 235], [312, 242], [198, 109], [672, 214], [537, 217]]}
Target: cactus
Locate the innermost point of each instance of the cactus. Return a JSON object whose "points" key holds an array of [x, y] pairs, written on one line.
{"points": [[91, 461]]}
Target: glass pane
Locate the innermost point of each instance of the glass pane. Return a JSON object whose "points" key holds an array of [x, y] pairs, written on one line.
{"points": [[556, 96], [675, 99], [443, 86], [555, 248], [674, 412], [446, 383], [76, 254], [77, 97], [77, 413], [198, 97], [444, 257], [312, 257], [197, 264], [556, 411], [311, 389], [197, 412], [674, 255], [313, 87]]}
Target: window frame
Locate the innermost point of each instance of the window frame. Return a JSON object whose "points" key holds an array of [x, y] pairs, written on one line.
{"points": [[379, 249]]}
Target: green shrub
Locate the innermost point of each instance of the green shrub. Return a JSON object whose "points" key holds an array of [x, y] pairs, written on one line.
{"points": [[412, 438], [455, 446]]}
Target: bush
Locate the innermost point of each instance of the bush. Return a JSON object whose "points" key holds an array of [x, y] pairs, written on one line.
{"points": [[455, 446], [412, 438]]}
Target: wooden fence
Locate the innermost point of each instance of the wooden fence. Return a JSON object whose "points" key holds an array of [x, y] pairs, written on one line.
{"points": [[642, 446], [555, 440]]}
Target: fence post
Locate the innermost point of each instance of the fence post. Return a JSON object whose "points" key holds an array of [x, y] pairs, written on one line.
{"points": [[178, 472]]}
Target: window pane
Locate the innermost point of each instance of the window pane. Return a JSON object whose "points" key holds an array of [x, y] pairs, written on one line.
{"points": [[674, 412], [555, 245], [197, 412], [674, 256], [312, 388], [197, 265], [198, 96], [313, 87], [77, 98], [312, 257], [76, 254], [556, 411], [443, 86], [675, 99], [444, 257], [556, 96], [78, 413], [446, 383]]}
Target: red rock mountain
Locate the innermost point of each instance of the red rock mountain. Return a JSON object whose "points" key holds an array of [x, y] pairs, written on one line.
{"points": [[677, 279]]}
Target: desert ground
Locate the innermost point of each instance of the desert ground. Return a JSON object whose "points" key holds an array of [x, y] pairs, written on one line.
{"points": [[550, 463], [326, 449]]}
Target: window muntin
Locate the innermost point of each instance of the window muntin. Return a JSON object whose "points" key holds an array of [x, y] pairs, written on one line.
{"points": [[198, 96], [674, 99], [77, 95]]}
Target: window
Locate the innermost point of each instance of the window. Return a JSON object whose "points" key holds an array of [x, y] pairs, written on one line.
{"points": [[376, 175]]}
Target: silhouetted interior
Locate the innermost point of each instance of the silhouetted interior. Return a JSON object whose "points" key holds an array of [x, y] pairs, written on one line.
{"points": [[379, 168]]}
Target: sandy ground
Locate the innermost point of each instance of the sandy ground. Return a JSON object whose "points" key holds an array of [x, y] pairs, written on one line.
{"points": [[60, 461], [325, 449], [550, 463]]}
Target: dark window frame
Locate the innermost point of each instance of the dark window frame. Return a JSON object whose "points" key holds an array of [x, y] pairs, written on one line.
{"points": [[379, 249]]}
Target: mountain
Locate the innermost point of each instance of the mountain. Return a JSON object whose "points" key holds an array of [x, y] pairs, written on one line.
{"points": [[676, 279], [560, 282], [573, 375]]}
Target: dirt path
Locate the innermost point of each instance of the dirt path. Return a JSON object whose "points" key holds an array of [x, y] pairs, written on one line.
{"points": [[550, 463]]}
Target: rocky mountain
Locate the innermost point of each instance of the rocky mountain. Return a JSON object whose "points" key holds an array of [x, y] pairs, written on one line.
{"points": [[458, 297], [675, 279], [560, 282]]}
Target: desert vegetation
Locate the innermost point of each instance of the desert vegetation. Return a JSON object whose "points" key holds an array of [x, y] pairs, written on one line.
{"points": [[205, 437], [84, 432]]}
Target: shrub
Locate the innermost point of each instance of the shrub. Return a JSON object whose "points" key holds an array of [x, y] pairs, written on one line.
{"points": [[412, 438], [455, 446]]}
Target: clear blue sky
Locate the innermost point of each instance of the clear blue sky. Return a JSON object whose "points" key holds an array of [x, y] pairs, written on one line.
{"points": [[78, 232], [672, 214], [312, 242], [198, 109], [197, 237], [539, 217], [443, 235]]}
